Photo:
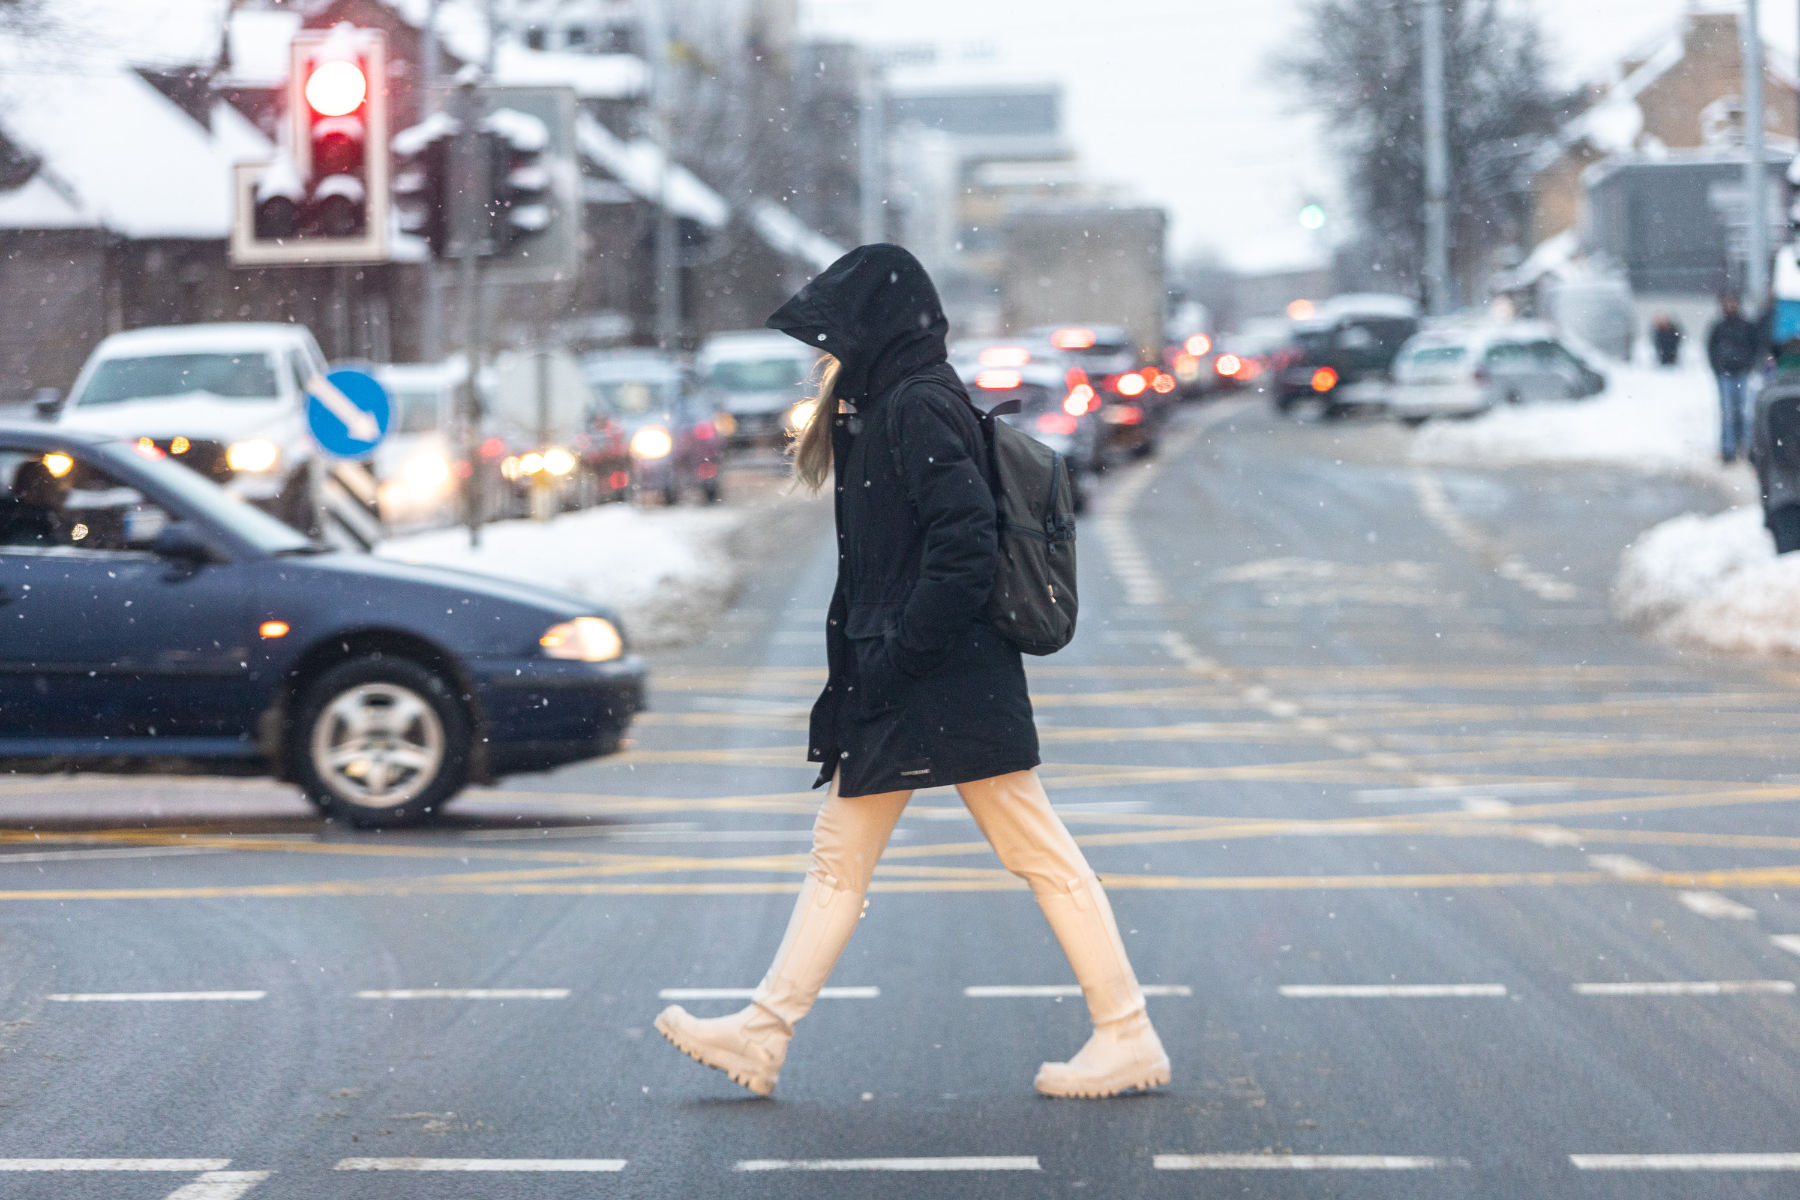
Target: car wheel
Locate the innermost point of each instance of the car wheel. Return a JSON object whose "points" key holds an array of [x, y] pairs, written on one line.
{"points": [[671, 495], [379, 742], [713, 490], [1413, 422], [1512, 397]]}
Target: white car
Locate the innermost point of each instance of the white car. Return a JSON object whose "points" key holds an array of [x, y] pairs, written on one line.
{"points": [[758, 378], [227, 400], [415, 463], [1452, 372]]}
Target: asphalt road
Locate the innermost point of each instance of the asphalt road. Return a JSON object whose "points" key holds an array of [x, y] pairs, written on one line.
{"points": [[1447, 886]]}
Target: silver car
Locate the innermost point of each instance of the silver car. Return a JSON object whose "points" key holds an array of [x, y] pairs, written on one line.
{"points": [[1464, 371]]}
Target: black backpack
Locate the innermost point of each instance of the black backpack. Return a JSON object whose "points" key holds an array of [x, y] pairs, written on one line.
{"points": [[1033, 602]]}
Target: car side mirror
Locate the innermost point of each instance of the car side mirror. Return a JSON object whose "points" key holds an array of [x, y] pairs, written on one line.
{"points": [[182, 541], [46, 402]]}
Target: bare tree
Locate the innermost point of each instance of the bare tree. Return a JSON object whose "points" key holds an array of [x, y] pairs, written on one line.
{"points": [[1360, 65]]}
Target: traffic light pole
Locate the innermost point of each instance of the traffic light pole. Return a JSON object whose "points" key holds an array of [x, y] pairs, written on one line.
{"points": [[431, 315], [1756, 170], [469, 221]]}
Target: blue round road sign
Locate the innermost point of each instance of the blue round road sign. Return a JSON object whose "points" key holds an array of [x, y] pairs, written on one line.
{"points": [[348, 412]]}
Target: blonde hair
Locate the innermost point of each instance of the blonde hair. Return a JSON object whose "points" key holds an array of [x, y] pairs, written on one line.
{"points": [[810, 446]]}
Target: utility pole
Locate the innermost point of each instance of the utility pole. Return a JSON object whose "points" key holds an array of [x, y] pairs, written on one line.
{"points": [[431, 314], [1756, 171], [668, 267], [870, 136], [1437, 162]]}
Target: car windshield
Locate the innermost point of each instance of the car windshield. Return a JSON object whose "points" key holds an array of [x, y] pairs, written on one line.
{"points": [[214, 505], [758, 374], [635, 397], [246, 376], [1426, 357]]}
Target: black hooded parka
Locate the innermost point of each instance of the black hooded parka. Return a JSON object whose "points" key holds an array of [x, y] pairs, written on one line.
{"points": [[923, 691]]}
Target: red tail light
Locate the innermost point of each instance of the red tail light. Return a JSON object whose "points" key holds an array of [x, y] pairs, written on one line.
{"points": [[1056, 422], [493, 448], [998, 381], [705, 431], [1165, 383], [1128, 414], [1131, 384], [1075, 378], [1081, 399], [1228, 364], [618, 480], [1324, 379]]}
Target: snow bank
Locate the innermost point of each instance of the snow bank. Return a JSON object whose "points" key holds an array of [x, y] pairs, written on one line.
{"points": [[667, 571], [1647, 419], [1714, 582]]}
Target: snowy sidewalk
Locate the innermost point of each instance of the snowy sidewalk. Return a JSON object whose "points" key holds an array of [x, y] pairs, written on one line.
{"points": [[1648, 419], [667, 572], [1714, 582]]}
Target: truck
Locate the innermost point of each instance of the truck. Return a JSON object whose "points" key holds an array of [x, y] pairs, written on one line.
{"points": [[1087, 265]]}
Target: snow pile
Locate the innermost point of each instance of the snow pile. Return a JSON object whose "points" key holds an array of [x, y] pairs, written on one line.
{"points": [[1648, 419], [1714, 582], [667, 572]]}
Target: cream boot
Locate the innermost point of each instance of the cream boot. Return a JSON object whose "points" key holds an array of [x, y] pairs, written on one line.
{"points": [[1124, 1052], [750, 1045]]}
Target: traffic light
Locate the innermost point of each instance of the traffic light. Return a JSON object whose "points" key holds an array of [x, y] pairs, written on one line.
{"points": [[519, 194], [325, 198], [421, 166]]}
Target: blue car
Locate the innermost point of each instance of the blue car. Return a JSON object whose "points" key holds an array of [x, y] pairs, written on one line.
{"points": [[146, 616]]}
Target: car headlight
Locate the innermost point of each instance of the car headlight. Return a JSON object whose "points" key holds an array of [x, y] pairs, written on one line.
{"points": [[255, 455], [427, 473], [558, 461], [585, 639], [801, 415], [652, 442]]}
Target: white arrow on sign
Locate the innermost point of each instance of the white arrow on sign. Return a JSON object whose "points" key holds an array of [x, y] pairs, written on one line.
{"points": [[359, 424]]}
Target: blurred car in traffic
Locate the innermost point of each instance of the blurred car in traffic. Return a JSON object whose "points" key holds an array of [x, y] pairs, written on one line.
{"points": [[1243, 359], [1061, 417], [1452, 371], [1135, 398], [150, 617], [548, 441], [1191, 361], [670, 426], [1347, 340], [226, 400], [415, 464], [759, 378]]}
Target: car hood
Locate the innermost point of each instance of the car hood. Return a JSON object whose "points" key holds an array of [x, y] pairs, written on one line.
{"points": [[194, 416], [380, 569]]}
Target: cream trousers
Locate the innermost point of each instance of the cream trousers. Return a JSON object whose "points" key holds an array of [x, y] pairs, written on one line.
{"points": [[1012, 812]]}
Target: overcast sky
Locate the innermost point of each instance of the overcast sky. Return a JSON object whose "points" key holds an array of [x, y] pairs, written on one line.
{"points": [[1174, 97]]}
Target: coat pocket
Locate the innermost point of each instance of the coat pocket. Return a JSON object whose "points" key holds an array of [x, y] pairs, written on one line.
{"points": [[869, 628]]}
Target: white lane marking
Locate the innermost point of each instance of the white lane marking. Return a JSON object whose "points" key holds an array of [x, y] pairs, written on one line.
{"points": [[1398, 991], [219, 1185], [1058, 990], [1550, 835], [42, 856], [1719, 908], [1486, 806], [1622, 865], [1182, 651], [830, 993], [984, 1163], [186, 1166], [481, 1164], [1788, 941], [1436, 504], [1686, 1162], [148, 997], [1302, 1162], [1703, 987], [466, 994], [1453, 791]]}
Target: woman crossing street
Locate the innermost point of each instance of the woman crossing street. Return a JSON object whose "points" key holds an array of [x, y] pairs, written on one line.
{"points": [[922, 691]]}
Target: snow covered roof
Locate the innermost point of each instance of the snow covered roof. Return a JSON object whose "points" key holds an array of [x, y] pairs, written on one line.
{"points": [[41, 204], [121, 153], [638, 164], [593, 76], [257, 43], [788, 234], [145, 33]]}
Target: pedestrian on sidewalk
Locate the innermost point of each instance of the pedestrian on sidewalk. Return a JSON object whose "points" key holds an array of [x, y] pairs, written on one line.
{"points": [[922, 691], [1733, 347], [1665, 337]]}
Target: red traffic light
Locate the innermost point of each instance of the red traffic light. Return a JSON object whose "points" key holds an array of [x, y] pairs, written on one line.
{"points": [[336, 88]]}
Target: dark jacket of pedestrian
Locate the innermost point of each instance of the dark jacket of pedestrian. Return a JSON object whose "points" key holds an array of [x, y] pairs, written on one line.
{"points": [[922, 690], [1733, 345]]}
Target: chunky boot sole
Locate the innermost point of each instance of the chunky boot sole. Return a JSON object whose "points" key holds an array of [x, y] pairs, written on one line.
{"points": [[741, 1071], [1139, 1078]]}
